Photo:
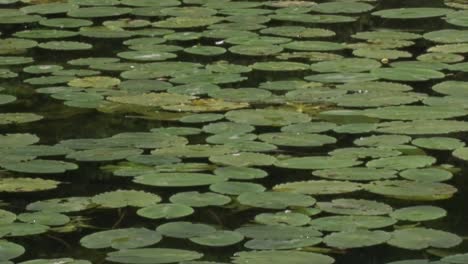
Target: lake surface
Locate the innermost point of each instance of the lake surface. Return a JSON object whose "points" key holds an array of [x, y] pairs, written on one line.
{"points": [[218, 131]]}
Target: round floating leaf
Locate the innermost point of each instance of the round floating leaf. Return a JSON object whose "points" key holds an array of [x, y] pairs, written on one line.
{"points": [[240, 173], [356, 174], [407, 74], [152, 255], [402, 162], [296, 139], [342, 7], [345, 65], [423, 127], [103, 154], [18, 118], [455, 259], [354, 207], [413, 13], [10, 250], [236, 188], [218, 239], [197, 199], [419, 213], [317, 162], [62, 205], [124, 198], [461, 153], [44, 218], [39, 166], [6, 217], [275, 200], [267, 117], [243, 159], [279, 66], [124, 238], [167, 211], [61, 260], [98, 12], [319, 187], [17, 140], [178, 179], [420, 238], [282, 244], [278, 232], [351, 222], [427, 175], [438, 143], [185, 229], [16, 185], [282, 218], [22, 229], [410, 190], [65, 45], [356, 239], [282, 256]]}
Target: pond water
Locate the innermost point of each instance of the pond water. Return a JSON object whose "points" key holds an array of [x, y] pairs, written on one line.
{"points": [[222, 131]]}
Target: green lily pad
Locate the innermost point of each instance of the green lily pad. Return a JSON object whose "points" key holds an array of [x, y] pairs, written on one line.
{"points": [[410, 190], [218, 239], [356, 239], [197, 199], [351, 222], [39, 166], [280, 256], [317, 162], [296, 139], [354, 207], [124, 198], [422, 127], [10, 250], [103, 154], [275, 200], [65, 45], [152, 255], [236, 188], [402, 162], [427, 175], [413, 13], [243, 159], [356, 174], [279, 66], [167, 211], [185, 229], [420, 238], [240, 173], [346, 65], [124, 238], [62, 205], [44, 218], [61, 260], [455, 259], [18, 185], [318, 187], [282, 218], [22, 229], [178, 179], [18, 118], [6, 217], [419, 213], [438, 143]]}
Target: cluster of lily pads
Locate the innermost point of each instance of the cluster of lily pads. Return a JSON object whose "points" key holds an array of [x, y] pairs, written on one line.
{"points": [[321, 127]]}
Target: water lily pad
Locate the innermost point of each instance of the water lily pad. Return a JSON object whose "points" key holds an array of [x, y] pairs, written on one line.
{"points": [[402, 162], [282, 218], [10, 250], [296, 139], [61, 260], [44, 218], [279, 66], [354, 207], [419, 213], [152, 255], [22, 229], [421, 238], [18, 118], [438, 143], [318, 187], [124, 198], [185, 229], [178, 179], [280, 256], [240, 173], [275, 200], [124, 238], [6, 217], [39, 166], [167, 211], [351, 222], [243, 159], [17, 185], [317, 162], [236, 188], [356, 239], [65, 45], [410, 190], [427, 175], [220, 238], [197, 199], [356, 174], [62, 205], [413, 13]]}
